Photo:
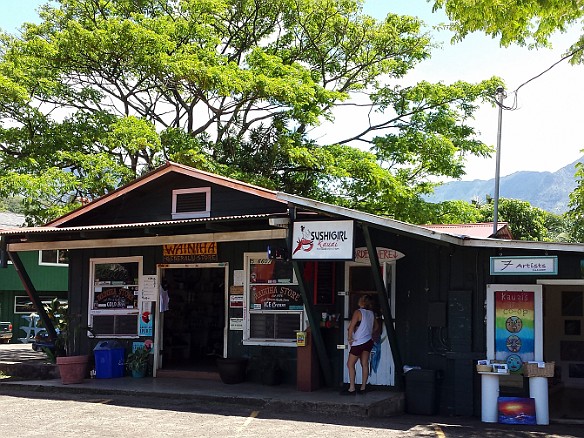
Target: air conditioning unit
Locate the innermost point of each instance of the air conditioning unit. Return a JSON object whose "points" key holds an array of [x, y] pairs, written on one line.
{"points": [[280, 222]]}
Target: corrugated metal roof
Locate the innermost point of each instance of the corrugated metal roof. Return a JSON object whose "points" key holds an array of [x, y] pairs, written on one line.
{"points": [[481, 230], [49, 229], [427, 233]]}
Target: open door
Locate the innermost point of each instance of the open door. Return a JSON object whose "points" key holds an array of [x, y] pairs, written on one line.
{"points": [[359, 281], [192, 328]]}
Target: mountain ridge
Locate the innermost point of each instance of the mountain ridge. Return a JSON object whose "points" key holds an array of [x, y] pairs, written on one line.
{"points": [[549, 191]]}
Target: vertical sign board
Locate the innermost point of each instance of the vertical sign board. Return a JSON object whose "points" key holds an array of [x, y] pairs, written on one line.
{"points": [[514, 327], [514, 324]]}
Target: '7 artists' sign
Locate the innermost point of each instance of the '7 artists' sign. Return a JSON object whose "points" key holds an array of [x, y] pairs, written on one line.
{"points": [[544, 265]]}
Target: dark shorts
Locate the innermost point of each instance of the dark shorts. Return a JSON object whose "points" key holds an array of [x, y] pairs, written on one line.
{"points": [[356, 350]]}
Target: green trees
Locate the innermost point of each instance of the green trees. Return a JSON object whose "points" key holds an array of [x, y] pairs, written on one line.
{"points": [[103, 90], [525, 221], [527, 22], [522, 22]]}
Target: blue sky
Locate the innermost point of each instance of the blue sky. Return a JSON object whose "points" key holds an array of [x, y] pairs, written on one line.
{"points": [[547, 131]]}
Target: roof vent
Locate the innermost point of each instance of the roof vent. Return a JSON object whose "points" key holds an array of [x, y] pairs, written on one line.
{"points": [[191, 203]]}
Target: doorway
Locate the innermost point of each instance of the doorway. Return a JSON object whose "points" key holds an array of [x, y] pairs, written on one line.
{"points": [[563, 326], [358, 282], [193, 326]]}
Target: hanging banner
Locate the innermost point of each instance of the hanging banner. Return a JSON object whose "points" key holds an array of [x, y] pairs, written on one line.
{"points": [[326, 240], [514, 328]]}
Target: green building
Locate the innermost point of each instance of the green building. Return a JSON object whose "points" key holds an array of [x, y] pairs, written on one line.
{"points": [[49, 273]]}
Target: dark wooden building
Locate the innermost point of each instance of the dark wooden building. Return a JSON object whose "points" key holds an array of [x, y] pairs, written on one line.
{"points": [[205, 266]]}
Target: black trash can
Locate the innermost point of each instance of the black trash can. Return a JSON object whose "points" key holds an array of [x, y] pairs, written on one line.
{"points": [[421, 392]]}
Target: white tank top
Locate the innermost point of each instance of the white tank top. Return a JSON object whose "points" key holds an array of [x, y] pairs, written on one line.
{"points": [[365, 329]]}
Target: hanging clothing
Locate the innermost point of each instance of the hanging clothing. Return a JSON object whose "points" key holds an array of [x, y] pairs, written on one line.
{"points": [[164, 299]]}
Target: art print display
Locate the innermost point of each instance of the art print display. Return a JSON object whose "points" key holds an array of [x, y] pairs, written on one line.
{"points": [[514, 328], [516, 410]]}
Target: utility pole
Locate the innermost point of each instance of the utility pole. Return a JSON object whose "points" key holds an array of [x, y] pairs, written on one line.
{"points": [[500, 95]]}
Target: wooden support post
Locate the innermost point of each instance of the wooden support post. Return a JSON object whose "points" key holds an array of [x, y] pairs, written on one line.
{"points": [[385, 310], [32, 294]]}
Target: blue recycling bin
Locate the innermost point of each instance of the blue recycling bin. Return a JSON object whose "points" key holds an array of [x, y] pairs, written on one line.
{"points": [[109, 360]]}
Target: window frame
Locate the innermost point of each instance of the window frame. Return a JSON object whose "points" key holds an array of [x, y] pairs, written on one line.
{"points": [[248, 312], [57, 263], [135, 311]]}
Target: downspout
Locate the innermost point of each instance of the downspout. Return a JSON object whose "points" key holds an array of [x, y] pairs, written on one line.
{"points": [[384, 304], [32, 294], [317, 338]]}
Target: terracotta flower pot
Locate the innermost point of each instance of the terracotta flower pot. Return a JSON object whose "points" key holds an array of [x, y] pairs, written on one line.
{"points": [[72, 368]]}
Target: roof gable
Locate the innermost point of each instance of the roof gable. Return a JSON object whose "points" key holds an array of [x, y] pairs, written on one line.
{"points": [[149, 198]]}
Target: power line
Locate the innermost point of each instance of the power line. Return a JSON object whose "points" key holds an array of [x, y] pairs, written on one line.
{"points": [[514, 106]]}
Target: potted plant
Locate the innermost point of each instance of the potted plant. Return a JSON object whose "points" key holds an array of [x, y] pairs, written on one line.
{"points": [[137, 362], [72, 366], [232, 369]]}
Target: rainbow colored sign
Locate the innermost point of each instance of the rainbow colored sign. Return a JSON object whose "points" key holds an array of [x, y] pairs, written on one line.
{"points": [[514, 328]]}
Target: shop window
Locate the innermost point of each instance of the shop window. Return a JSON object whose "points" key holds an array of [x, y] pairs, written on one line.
{"points": [[324, 283], [54, 257], [572, 303], [114, 296], [275, 311], [191, 203]]}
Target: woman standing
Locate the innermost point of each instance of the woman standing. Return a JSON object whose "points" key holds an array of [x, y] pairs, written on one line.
{"points": [[360, 337]]}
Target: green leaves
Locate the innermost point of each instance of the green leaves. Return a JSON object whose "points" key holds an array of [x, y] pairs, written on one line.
{"points": [[103, 90], [511, 21]]}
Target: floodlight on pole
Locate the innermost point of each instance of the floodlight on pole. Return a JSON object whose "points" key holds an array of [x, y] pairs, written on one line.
{"points": [[500, 95]]}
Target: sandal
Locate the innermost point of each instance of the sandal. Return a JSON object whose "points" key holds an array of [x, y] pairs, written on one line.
{"points": [[347, 392]]}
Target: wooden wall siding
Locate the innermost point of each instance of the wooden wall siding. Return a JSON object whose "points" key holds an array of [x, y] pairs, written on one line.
{"points": [[153, 202], [46, 278]]}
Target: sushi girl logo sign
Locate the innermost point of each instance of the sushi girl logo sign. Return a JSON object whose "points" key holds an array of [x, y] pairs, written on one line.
{"points": [[332, 240], [514, 327]]}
